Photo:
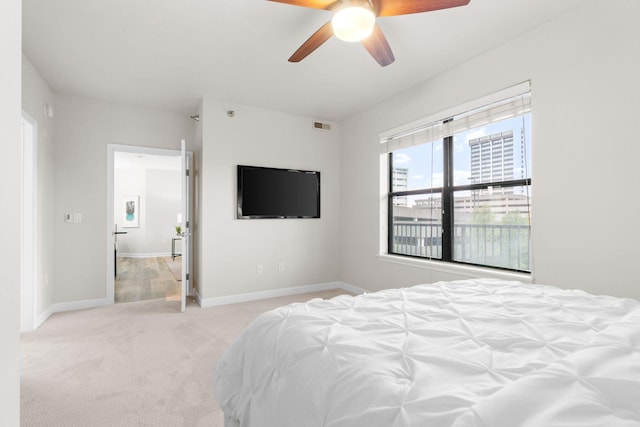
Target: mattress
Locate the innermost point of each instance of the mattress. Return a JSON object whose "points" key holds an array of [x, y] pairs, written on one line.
{"points": [[479, 352]]}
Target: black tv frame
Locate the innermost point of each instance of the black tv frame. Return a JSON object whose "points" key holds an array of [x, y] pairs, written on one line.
{"points": [[240, 195]]}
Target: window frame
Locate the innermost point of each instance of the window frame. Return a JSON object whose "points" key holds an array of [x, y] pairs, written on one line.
{"points": [[447, 190]]}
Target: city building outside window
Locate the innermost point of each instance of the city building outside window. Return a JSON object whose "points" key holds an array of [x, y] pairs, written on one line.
{"points": [[459, 189]]}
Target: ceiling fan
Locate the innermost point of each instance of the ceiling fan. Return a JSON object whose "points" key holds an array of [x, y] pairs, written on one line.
{"points": [[355, 20]]}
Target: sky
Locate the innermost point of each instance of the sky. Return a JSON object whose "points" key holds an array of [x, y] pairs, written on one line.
{"points": [[425, 161]]}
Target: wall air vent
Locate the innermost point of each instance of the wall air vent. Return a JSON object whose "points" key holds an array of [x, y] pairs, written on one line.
{"points": [[321, 126]]}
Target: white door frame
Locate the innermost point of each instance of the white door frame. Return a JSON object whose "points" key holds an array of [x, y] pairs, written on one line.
{"points": [[29, 207], [185, 171], [111, 150]]}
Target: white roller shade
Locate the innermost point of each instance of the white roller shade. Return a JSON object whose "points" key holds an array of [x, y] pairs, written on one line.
{"points": [[502, 105]]}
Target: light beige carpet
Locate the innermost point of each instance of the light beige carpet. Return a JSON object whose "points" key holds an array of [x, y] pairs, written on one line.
{"points": [[133, 364]]}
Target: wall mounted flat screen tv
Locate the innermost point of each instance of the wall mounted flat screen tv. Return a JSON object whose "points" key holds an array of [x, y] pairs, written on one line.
{"points": [[277, 193]]}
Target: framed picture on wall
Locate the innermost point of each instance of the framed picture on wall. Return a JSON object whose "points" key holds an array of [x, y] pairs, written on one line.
{"points": [[131, 211]]}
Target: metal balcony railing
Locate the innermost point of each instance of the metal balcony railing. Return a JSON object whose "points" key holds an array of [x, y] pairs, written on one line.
{"points": [[494, 245]]}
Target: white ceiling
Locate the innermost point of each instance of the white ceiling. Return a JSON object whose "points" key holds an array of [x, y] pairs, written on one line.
{"points": [[170, 53]]}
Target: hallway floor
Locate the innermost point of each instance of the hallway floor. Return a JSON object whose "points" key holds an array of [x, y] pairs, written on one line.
{"points": [[142, 279]]}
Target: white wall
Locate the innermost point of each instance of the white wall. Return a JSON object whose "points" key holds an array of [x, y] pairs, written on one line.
{"points": [[159, 192], [231, 249], [83, 129], [584, 69], [35, 95], [10, 167]]}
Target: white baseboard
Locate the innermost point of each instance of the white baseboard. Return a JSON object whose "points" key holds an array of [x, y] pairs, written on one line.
{"points": [[208, 302], [79, 305], [275, 293], [353, 289], [69, 306], [42, 317]]}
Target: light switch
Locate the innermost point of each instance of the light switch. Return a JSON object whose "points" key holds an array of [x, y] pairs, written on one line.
{"points": [[68, 217]]}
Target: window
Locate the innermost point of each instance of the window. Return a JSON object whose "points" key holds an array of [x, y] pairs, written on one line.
{"points": [[459, 188]]}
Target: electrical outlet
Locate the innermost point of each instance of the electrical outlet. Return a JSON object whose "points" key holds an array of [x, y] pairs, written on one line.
{"points": [[281, 266], [77, 218], [259, 269]]}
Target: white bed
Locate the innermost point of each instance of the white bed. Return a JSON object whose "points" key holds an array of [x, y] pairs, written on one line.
{"points": [[467, 353]]}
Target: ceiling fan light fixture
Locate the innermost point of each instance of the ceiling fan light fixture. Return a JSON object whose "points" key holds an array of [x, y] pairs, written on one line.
{"points": [[353, 21]]}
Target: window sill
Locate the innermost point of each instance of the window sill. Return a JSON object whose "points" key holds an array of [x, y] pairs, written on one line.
{"points": [[462, 270]]}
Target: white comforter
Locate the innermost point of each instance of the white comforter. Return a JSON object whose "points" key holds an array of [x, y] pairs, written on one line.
{"points": [[466, 353]]}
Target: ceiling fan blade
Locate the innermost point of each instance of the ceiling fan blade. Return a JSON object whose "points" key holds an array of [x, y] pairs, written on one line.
{"points": [[378, 46], [314, 4], [405, 7], [315, 41]]}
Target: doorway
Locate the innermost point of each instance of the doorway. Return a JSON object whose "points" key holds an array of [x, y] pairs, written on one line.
{"points": [[28, 227], [145, 214], [147, 198]]}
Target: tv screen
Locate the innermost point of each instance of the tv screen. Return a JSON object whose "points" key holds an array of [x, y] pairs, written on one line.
{"points": [[278, 193]]}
